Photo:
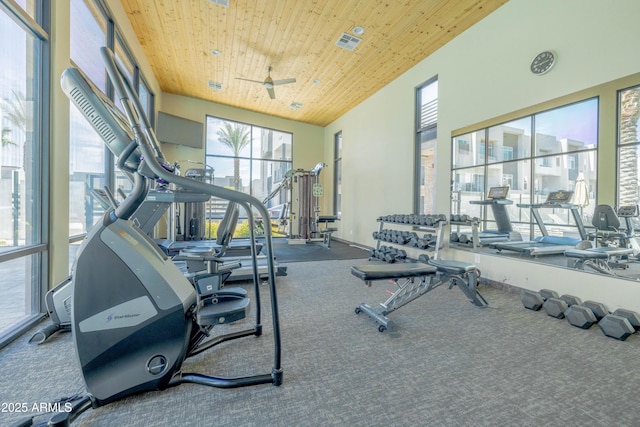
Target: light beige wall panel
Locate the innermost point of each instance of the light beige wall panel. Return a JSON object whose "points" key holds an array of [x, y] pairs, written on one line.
{"points": [[59, 147]]}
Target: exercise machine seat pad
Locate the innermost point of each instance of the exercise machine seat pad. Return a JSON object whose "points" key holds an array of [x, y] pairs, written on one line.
{"points": [[585, 254], [597, 253], [452, 266], [371, 272]]}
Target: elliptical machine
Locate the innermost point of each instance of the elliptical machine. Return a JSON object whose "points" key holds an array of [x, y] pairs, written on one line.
{"points": [[135, 317]]}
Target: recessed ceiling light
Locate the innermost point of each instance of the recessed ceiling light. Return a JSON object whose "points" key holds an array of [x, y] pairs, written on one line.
{"points": [[216, 52], [316, 81], [295, 106], [358, 31]]}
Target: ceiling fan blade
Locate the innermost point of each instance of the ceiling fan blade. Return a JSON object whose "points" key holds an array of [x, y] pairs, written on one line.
{"points": [[283, 82], [249, 80], [272, 94]]}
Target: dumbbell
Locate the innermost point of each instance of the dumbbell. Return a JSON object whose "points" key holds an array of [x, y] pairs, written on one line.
{"points": [[584, 315], [620, 324], [556, 307], [423, 243], [403, 238], [380, 252], [463, 238], [534, 300], [453, 237]]}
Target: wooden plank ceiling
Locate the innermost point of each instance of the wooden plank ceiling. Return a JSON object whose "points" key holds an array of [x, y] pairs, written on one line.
{"points": [[298, 39]]}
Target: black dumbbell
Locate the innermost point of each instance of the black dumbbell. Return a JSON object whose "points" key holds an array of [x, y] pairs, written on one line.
{"points": [[620, 324], [556, 307], [584, 315]]}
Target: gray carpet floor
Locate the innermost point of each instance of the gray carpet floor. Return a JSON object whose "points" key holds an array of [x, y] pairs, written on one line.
{"points": [[446, 363], [286, 253]]}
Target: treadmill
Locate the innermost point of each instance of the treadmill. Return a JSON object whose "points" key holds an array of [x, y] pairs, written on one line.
{"points": [[546, 244], [497, 199]]}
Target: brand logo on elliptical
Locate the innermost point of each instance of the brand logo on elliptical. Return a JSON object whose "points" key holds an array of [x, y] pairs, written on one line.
{"points": [[121, 316]]}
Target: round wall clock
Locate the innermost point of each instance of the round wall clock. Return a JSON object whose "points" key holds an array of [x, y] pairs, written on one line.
{"points": [[543, 62]]}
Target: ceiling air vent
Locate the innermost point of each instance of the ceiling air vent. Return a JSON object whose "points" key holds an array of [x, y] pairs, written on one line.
{"points": [[348, 41], [216, 86], [224, 3]]}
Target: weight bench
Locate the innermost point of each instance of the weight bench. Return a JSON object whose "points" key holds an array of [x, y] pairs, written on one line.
{"points": [[600, 259], [432, 273]]}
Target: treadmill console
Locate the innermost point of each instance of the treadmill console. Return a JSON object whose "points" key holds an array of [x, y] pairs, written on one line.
{"points": [[498, 193], [558, 197], [629, 211]]}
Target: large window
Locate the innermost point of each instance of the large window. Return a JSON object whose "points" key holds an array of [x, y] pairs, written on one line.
{"points": [[426, 138], [250, 159], [91, 165], [628, 143], [337, 175], [23, 206], [534, 155]]}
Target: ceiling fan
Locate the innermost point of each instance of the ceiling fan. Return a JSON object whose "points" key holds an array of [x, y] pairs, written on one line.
{"points": [[269, 83]]}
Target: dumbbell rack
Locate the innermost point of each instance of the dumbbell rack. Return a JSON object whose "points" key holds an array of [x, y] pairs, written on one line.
{"points": [[435, 224], [472, 222]]}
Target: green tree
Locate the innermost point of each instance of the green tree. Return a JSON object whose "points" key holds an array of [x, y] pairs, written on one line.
{"points": [[5, 137], [15, 110], [235, 136]]}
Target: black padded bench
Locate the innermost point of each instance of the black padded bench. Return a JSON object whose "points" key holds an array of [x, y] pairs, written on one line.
{"points": [[431, 273], [452, 266], [371, 272]]}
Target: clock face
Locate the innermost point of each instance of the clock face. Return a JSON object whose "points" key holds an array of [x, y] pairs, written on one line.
{"points": [[543, 62]]}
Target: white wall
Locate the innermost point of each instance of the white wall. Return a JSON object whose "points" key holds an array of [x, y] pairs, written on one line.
{"points": [[482, 74]]}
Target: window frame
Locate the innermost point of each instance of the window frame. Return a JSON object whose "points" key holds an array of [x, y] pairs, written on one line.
{"points": [[424, 134], [249, 157], [337, 175], [114, 36], [538, 157], [37, 28]]}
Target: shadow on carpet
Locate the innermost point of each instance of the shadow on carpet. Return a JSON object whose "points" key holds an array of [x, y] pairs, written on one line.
{"points": [[285, 252]]}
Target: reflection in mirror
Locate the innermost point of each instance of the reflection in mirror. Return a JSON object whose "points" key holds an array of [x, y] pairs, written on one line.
{"points": [[538, 157]]}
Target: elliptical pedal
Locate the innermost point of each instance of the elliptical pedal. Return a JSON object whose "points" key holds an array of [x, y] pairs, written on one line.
{"points": [[222, 311]]}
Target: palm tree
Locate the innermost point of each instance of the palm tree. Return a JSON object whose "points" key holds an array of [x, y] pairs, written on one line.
{"points": [[16, 113], [629, 115], [235, 136], [17, 110], [5, 137]]}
